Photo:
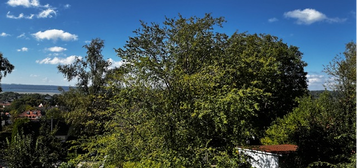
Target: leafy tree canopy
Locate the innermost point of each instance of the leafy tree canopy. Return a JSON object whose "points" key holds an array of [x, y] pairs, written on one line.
{"points": [[324, 128], [185, 93], [84, 102], [5, 67]]}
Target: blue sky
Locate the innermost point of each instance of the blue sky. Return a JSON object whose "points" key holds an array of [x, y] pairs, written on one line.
{"points": [[37, 35]]}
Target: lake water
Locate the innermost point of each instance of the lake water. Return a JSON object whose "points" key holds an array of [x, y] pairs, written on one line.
{"points": [[42, 89]]}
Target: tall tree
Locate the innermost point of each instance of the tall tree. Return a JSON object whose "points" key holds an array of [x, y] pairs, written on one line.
{"points": [[342, 72], [324, 128], [189, 94], [87, 100], [5, 68], [34, 151], [90, 71]]}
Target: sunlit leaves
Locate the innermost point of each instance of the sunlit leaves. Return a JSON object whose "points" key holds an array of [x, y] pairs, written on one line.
{"points": [[188, 95]]}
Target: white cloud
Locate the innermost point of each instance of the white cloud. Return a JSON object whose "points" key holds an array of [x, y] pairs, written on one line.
{"points": [[306, 16], [24, 3], [335, 20], [3, 34], [34, 76], [316, 81], [56, 49], [115, 64], [309, 16], [48, 13], [55, 34], [23, 49], [67, 6], [21, 36], [56, 60], [21, 15], [87, 41], [47, 80], [273, 20], [315, 78]]}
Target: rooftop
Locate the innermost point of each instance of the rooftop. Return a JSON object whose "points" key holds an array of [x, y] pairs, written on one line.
{"points": [[285, 148]]}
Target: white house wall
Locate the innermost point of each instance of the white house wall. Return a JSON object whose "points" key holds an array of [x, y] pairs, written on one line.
{"points": [[261, 159]]}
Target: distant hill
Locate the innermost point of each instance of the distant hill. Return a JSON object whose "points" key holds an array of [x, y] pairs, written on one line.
{"points": [[316, 93]]}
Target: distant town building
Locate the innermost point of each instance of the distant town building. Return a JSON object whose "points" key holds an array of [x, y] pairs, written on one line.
{"points": [[32, 115], [5, 104]]}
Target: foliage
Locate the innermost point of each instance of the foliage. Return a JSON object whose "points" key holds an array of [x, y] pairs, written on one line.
{"points": [[319, 128], [280, 132], [9, 96], [84, 107], [339, 134], [350, 164], [54, 113], [24, 102], [66, 165], [342, 71], [29, 150], [90, 72], [323, 128], [19, 124], [85, 103], [186, 96], [5, 67]]}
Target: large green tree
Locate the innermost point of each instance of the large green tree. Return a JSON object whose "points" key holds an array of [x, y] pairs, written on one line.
{"points": [[90, 71], [5, 68], [342, 72], [84, 107], [86, 100], [33, 150], [324, 128], [186, 93]]}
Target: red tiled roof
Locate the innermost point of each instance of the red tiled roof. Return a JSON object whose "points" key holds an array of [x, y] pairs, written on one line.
{"points": [[5, 104], [277, 148], [32, 115]]}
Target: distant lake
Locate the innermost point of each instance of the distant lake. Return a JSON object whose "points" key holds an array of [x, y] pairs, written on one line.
{"points": [[42, 89]]}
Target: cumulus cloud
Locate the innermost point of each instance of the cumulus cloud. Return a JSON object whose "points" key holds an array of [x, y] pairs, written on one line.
{"points": [[24, 3], [56, 49], [115, 64], [23, 49], [67, 6], [272, 20], [3, 34], [309, 16], [48, 13], [56, 60], [55, 34], [316, 81], [21, 16]]}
